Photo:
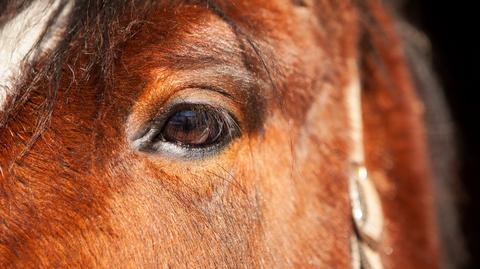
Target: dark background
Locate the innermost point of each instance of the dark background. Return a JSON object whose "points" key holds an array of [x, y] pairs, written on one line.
{"points": [[453, 28]]}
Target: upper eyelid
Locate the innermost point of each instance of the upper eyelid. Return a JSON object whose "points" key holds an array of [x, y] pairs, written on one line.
{"points": [[231, 81], [203, 94], [137, 128], [198, 99], [152, 108], [213, 89]]}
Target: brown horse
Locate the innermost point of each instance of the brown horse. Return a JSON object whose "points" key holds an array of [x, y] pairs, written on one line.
{"points": [[211, 134]]}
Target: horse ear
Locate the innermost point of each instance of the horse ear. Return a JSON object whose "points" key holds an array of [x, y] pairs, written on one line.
{"points": [[395, 145]]}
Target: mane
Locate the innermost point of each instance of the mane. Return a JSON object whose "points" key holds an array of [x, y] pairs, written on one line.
{"points": [[441, 136]]}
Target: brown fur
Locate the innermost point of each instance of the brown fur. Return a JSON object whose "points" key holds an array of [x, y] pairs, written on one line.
{"points": [[275, 198]]}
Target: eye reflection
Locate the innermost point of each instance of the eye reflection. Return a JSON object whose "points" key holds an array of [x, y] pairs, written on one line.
{"points": [[193, 127]]}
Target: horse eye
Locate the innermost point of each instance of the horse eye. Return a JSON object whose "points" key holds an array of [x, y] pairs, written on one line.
{"points": [[194, 127], [188, 131]]}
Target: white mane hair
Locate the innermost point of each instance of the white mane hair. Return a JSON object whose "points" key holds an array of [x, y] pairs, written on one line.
{"points": [[23, 38]]}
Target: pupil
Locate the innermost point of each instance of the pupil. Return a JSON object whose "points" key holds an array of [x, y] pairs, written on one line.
{"points": [[191, 127]]}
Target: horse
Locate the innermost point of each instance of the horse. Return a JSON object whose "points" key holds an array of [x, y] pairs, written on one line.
{"points": [[211, 134]]}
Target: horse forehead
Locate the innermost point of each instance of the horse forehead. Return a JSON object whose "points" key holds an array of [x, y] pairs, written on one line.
{"points": [[19, 39]]}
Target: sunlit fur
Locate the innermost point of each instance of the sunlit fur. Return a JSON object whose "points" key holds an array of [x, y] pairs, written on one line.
{"points": [[75, 193]]}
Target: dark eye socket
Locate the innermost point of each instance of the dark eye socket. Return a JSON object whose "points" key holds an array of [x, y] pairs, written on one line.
{"points": [[194, 127], [188, 131]]}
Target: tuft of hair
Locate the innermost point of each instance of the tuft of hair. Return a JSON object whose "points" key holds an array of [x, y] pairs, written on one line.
{"points": [[99, 25]]}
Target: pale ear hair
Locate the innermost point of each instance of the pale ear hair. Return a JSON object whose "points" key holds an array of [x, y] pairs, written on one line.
{"points": [[367, 214], [353, 100]]}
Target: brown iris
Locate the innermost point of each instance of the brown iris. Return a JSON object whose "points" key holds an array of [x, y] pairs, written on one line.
{"points": [[193, 127]]}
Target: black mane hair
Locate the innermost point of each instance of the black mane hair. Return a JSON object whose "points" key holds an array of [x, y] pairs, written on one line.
{"points": [[441, 135]]}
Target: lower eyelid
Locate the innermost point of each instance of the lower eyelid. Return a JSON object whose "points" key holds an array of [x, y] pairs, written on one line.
{"points": [[178, 152]]}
